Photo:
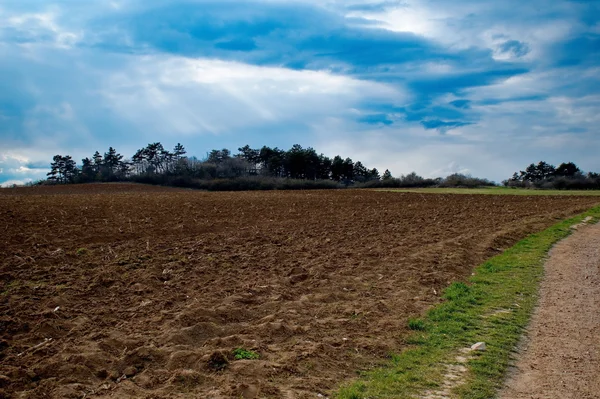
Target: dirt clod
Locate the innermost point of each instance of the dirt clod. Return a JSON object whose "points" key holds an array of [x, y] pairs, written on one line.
{"points": [[217, 361], [130, 372]]}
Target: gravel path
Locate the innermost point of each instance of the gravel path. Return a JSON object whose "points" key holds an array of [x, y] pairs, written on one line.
{"points": [[561, 356]]}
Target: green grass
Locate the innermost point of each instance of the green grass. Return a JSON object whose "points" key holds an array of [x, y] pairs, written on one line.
{"points": [[494, 191], [241, 353], [494, 306]]}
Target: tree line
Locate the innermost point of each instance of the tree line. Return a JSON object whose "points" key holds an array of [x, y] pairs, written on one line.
{"points": [[565, 176], [156, 164], [274, 168]]}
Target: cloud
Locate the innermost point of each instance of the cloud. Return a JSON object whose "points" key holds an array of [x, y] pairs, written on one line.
{"points": [[464, 104], [375, 6], [514, 48], [442, 125], [11, 183], [375, 119], [479, 84], [18, 169]]}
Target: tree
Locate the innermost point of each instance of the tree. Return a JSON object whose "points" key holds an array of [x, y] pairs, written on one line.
{"points": [[537, 172], [272, 161], [568, 169], [374, 174], [218, 156], [139, 161], [337, 168], [178, 165], [360, 172], [250, 155], [324, 168], [348, 170], [55, 174], [153, 154], [63, 169], [545, 170], [179, 151], [112, 162], [301, 163], [387, 175], [97, 158], [88, 170]]}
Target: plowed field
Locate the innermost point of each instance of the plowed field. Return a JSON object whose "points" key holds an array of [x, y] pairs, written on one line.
{"points": [[121, 291]]}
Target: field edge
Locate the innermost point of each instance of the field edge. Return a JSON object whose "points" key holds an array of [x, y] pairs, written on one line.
{"points": [[494, 307], [494, 191]]}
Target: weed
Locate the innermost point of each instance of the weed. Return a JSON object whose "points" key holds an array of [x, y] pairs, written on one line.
{"points": [[81, 251], [241, 353], [355, 315]]}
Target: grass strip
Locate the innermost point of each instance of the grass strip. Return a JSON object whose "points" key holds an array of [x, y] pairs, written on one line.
{"points": [[493, 191], [494, 307]]}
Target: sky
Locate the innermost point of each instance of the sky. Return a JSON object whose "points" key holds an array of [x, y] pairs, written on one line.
{"points": [[432, 86]]}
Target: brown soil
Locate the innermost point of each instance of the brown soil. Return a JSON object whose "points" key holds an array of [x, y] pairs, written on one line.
{"points": [[120, 291], [561, 356]]}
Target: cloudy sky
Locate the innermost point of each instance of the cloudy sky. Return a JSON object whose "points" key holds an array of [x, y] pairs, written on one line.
{"points": [[432, 86]]}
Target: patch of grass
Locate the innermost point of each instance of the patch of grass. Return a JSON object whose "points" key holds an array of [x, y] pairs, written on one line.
{"points": [[241, 353], [416, 324], [494, 191], [81, 251], [506, 288]]}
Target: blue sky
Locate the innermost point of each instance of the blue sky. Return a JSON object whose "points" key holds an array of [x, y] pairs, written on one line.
{"points": [[436, 87]]}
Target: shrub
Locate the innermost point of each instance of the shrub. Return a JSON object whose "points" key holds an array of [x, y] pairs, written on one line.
{"points": [[467, 181]]}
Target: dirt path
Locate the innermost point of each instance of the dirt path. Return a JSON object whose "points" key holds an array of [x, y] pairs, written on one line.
{"points": [[561, 357]]}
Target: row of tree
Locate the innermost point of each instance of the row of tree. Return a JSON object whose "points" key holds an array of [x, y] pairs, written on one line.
{"points": [[154, 160], [567, 175]]}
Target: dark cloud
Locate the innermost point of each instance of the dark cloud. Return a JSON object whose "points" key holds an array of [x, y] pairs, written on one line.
{"points": [[455, 83], [237, 45], [464, 104], [442, 125], [515, 48], [582, 50], [496, 101], [376, 119], [375, 6]]}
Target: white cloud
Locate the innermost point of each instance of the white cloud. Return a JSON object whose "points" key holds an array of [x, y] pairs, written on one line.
{"points": [[10, 183], [15, 168], [192, 96], [476, 24], [40, 26]]}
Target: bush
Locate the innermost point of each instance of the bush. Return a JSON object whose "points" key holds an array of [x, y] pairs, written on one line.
{"points": [[411, 180], [558, 183], [466, 181]]}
